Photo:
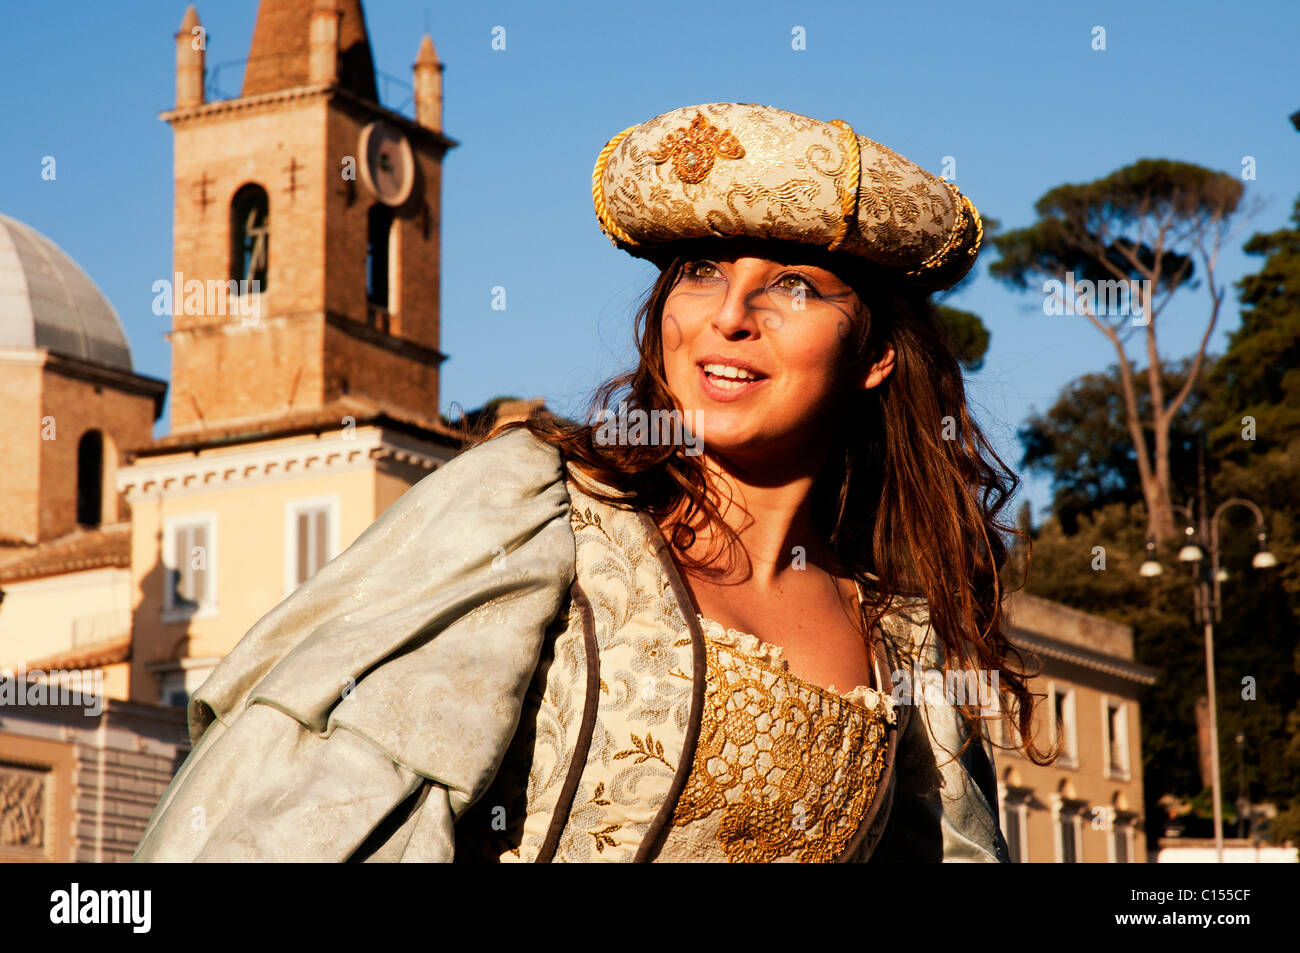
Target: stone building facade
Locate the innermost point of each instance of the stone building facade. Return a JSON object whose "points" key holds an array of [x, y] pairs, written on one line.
{"points": [[76, 785], [1087, 806], [304, 297]]}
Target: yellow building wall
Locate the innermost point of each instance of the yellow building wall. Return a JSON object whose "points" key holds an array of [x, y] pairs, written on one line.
{"points": [[249, 561], [1090, 781], [117, 680], [40, 617], [391, 481]]}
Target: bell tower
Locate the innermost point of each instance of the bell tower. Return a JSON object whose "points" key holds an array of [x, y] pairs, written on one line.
{"points": [[307, 226]]}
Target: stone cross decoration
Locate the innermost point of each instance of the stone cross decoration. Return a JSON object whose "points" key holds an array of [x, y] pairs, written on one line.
{"points": [[292, 168], [203, 183]]}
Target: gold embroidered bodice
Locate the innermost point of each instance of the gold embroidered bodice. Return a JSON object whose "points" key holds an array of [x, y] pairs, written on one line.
{"points": [[784, 770]]}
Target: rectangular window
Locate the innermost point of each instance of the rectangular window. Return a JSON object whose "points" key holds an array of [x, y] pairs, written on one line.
{"points": [[179, 680], [1007, 735], [1014, 832], [1069, 828], [189, 563], [171, 689], [312, 539], [1013, 803], [1069, 844], [1120, 833], [1116, 727], [1063, 725], [1067, 817]]}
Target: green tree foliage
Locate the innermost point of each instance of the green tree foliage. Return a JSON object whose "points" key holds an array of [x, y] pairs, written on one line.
{"points": [[1155, 226], [1256, 438], [1082, 443], [1259, 376], [967, 335], [1097, 504]]}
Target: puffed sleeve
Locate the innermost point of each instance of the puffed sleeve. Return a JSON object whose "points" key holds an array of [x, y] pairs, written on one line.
{"points": [[945, 807], [361, 716]]}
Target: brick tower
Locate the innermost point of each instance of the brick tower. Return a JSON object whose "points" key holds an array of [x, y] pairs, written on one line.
{"points": [[306, 227]]}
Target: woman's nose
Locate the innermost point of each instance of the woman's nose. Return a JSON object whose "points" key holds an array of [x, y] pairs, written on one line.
{"points": [[738, 311]]}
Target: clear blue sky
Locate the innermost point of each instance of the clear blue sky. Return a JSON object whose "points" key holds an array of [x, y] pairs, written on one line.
{"points": [[1012, 90]]}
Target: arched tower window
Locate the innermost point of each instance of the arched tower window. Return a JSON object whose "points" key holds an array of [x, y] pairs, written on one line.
{"points": [[250, 236], [379, 230], [90, 478]]}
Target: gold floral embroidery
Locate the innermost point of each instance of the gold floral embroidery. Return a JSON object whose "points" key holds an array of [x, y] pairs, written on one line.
{"points": [[793, 769], [693, 149], [603, 839], [644, 750], [581, 518]]}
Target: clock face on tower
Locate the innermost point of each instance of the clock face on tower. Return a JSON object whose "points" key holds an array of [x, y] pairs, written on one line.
{"points": [[387, 164]]}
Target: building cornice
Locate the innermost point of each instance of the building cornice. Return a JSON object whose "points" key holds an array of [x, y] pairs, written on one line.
{"points": [[403, 347], [327, 418], [1134, 672], [195, 472], [326, 91], [106, 652], [98, 374]]}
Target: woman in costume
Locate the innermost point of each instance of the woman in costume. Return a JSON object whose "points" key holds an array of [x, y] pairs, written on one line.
{"points": [[621, 641]]}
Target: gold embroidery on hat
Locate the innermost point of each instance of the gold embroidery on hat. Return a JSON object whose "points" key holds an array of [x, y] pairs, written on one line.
{"points": [[694, 149], [965, 216]]}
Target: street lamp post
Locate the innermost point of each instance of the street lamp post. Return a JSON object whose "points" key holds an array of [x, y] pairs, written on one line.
{"points": [[1209, 607], [1212, 611], [1243, 802]]}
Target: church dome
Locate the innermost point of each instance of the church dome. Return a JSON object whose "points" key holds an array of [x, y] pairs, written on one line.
{"points": [[47, 301]]}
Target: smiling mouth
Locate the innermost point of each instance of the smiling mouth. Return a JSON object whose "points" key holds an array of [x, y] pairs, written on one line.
{"points": [[725, 381]]}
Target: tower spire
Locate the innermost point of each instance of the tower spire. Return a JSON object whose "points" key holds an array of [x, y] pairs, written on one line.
{"points": [[324, 57], [428, 86], [281, 54], [191, 50]]}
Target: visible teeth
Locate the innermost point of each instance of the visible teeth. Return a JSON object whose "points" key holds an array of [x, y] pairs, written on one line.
{"points": [[726, 370]]}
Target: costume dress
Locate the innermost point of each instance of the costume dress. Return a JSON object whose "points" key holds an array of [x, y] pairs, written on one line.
{"points": [[504, 668], [784, 769]]}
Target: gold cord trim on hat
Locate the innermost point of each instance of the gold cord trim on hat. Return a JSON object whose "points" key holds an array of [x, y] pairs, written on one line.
{"points": [[979, 223], [849, 201], [964, 214], [607, 223]]}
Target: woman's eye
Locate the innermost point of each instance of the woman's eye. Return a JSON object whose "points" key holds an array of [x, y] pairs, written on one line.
{"points": [[706, 269], [808, 285]]}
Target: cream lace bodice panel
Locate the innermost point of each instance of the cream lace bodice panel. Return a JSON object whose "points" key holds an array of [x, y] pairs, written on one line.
{"points": [[784, 770]]}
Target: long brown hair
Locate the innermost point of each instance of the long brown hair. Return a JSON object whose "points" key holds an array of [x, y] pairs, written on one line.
{"points": [[910, 498]]}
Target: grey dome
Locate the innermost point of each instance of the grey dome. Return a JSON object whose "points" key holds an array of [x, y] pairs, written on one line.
{"points": [[47, 301]]}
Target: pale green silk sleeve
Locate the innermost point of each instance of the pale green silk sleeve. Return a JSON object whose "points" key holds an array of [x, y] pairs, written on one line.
{"points": [[945, 807], [362, 715]]}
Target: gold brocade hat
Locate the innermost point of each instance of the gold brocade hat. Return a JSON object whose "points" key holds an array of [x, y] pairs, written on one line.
{"points": [[741, 169]]}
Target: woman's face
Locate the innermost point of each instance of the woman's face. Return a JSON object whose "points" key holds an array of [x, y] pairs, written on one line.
{"points": [[751, 348]]}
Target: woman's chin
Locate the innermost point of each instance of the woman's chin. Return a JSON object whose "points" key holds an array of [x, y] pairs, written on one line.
{"points": [[746, 445]]}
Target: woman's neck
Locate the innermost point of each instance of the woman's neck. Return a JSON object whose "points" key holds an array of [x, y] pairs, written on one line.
{"points": [[771, 512]]}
